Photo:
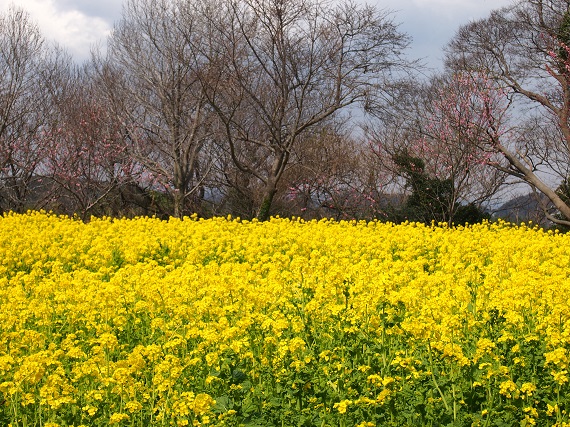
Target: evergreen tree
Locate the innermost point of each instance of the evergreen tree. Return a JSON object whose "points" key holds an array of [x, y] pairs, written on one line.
{"points": [[431, 198]]}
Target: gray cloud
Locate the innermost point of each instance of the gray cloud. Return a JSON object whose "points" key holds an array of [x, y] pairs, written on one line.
{"points": [[432, 23], [80, 24], [109, 10]]}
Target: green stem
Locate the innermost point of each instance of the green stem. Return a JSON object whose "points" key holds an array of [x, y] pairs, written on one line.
{"points": [[490, 398], [435, 380], [454, 402]]}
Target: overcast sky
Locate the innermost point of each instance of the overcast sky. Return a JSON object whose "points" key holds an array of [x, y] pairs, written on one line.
{"points": [[80, 24]]}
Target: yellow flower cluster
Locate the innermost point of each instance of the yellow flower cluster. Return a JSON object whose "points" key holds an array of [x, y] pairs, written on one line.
{"points": [[222, 321]]}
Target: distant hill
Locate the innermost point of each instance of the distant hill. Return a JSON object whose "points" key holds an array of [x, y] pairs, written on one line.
{"points": [[523, 208]]}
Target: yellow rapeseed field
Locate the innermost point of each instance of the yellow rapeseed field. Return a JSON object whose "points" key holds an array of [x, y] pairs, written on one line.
{"points": [[223, 322]]}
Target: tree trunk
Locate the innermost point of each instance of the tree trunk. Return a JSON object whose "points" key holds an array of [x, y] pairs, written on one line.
{"points": [[531, 178], [269, 194], [178, 201]]}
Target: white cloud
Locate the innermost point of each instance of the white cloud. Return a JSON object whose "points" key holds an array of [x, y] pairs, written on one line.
{"points": [[69, 27]]}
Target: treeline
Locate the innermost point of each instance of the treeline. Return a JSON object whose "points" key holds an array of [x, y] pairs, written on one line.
{"points": [[286, 107]]}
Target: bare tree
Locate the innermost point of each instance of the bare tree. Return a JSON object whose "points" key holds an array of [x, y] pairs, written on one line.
{"points": [[152, 82], [279, 68], [334, 177], [522, 54], [27, 67], [417, 138], [449, 137], [85, 155]]}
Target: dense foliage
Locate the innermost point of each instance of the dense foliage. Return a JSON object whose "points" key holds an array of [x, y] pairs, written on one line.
{"points": [[282, 323]]}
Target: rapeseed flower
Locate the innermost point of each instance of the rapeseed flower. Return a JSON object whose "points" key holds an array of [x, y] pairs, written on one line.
{"points": [[225, 321]]}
